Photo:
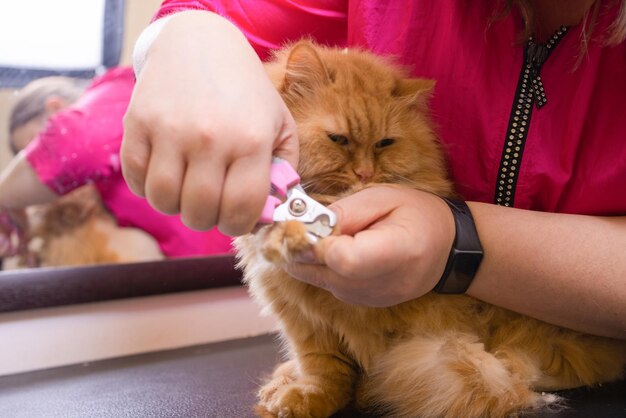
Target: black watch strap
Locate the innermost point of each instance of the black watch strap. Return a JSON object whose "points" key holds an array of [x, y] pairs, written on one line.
{"points": [[465, 255]]}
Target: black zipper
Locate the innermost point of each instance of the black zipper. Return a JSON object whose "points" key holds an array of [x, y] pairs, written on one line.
{"points": [[530, 91]]}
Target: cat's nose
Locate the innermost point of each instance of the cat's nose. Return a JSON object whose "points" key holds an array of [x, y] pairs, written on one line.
{"points": [[364, 174]]}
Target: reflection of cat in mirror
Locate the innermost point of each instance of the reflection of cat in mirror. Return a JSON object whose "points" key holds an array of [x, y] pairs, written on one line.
{"points": [[361, 121], [78, 230]]}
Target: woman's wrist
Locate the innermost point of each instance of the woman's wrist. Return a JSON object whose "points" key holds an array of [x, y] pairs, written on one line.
{"points": [[466, 252], [145, 41], [185, 35]]}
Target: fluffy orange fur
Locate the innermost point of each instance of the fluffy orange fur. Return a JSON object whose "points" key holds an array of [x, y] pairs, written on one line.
{"points": [[78, 230], [361, 121]]}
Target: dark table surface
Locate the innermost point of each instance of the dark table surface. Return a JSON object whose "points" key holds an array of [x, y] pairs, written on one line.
{"points": [[213, 380]]}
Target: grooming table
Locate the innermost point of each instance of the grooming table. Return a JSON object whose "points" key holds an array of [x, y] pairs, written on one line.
{"points": [[213, 380]]}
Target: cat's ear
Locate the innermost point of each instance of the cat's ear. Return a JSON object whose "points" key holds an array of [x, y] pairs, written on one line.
{"points": [[305, 69], [416, 91]]}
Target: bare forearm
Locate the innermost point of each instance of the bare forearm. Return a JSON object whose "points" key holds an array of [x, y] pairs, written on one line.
{"points": [[569, 270], [20, 186]]}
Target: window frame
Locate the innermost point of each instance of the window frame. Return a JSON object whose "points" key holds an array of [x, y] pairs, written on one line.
{"points": [[16, 77]]}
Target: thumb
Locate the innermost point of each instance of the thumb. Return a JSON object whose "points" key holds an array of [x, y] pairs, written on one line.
{"points": [[362, 209]]}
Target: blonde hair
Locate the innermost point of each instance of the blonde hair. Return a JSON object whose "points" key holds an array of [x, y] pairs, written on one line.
{"points": [[31, 100]]}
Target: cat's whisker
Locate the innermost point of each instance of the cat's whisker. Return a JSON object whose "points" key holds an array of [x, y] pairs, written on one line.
{"points": [[398, 179], [323, 190], [307, 184], [330, 183]]}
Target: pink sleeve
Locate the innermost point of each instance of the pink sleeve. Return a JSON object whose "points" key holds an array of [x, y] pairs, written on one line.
{"points": [[81, 145], [268, 24]]}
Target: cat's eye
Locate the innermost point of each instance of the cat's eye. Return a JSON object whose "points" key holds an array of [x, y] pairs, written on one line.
{"points": [[338, 139], [385, 142]]}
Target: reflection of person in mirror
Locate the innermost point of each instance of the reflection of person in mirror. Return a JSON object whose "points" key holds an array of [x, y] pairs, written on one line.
{"points": [[66, 177]]}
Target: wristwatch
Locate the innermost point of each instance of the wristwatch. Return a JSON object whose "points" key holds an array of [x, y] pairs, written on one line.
{"points": [[465, 255]]}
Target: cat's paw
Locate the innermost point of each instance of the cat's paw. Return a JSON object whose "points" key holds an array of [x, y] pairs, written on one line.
{"points": [[283, 375], [284, 241], [296, 400]]}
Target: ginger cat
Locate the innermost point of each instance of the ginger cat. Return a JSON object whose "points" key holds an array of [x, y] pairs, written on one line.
{"points": [[78, 230], [361, 121]]}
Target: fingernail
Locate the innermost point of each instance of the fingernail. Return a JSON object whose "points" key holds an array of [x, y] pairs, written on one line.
{"points": [[307, 257]]}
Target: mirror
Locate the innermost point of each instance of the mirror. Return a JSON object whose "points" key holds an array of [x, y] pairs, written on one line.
{"points": [[100, 223]]}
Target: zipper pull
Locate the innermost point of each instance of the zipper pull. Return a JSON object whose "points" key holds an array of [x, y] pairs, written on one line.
{"points": [[536, 55]]}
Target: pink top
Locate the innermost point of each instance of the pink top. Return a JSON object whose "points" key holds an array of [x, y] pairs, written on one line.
{"points": [[573, 159], [81, 145]]}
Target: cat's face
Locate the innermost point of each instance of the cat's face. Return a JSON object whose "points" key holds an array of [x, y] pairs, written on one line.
{"points": [[360, 121]]}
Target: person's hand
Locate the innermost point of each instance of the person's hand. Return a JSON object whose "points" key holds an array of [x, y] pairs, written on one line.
{"points": [[203, 124], [394, 246], [13, 225]]}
